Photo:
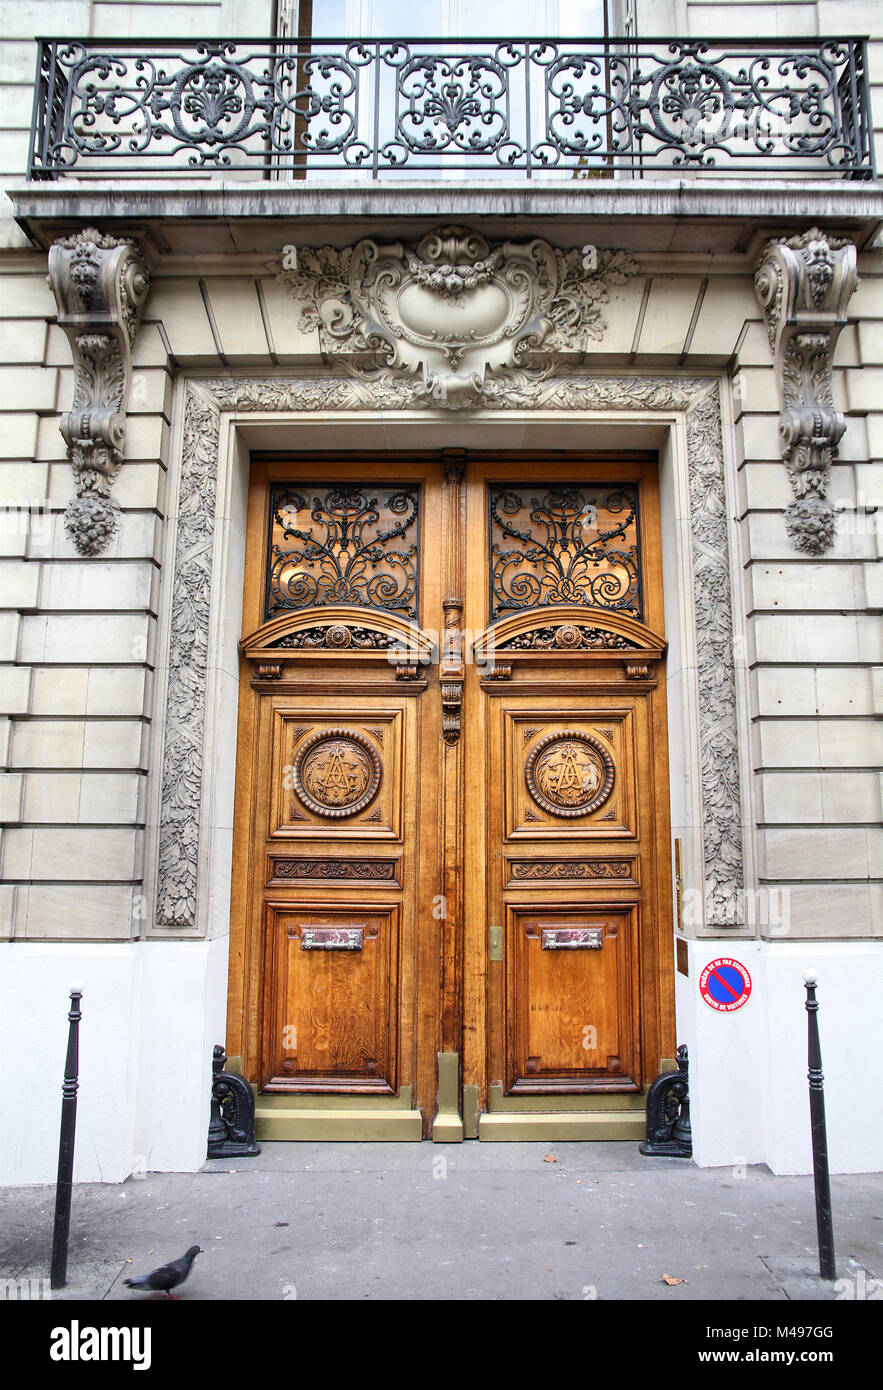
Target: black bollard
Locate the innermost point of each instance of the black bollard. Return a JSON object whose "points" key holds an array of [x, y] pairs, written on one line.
{"points": [[824, 1219], [64, 1184]]}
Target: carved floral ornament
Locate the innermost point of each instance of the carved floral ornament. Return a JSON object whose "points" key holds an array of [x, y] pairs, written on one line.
{"points": [[569, 773], [804, 284], [337, 772], [454, 310], [100, 284]]}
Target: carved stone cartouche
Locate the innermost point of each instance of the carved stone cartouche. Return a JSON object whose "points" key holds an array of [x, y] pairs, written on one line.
{"points": [[454, 310], [100, 284]]}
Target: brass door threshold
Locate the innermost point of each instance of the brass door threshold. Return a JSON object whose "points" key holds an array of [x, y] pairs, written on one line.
{"points": [[341, 1119], [547, 1118], [549, 1127]]}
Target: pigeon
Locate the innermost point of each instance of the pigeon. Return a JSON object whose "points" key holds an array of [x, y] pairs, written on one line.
{"points": [[167, 1277]]}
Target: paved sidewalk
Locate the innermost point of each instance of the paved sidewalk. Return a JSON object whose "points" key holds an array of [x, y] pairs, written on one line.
{"points": [[470, 1221]]}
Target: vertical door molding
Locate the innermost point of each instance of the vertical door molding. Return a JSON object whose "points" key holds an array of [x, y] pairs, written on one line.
{"points": [[452, 674]]}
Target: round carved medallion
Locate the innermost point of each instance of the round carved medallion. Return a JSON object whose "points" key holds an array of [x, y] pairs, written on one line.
{"points": [[567, 635], [336, 772], [569, 774]]}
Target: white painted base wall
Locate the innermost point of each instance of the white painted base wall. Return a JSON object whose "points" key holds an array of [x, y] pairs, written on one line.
{"points": [[749, 1099], [152, 1012]]}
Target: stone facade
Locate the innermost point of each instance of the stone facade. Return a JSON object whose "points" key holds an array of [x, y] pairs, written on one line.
{"points": [[775, 665]]}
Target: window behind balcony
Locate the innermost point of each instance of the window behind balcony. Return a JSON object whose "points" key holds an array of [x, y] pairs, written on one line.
{"points": [[438, 86]]}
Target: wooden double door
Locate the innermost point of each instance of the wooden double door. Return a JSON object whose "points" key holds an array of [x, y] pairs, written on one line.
{"points": [[452, 886]]}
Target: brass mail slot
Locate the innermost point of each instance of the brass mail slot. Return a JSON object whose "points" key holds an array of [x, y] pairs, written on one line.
{"points": [[331, 939], [572, 938]]}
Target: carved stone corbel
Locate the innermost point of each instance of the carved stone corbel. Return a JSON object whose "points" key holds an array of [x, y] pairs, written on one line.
{"points": [[100, 284], [804, 284]]}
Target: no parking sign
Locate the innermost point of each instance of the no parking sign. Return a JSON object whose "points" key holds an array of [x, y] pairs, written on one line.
{"points": [[725, 984]]}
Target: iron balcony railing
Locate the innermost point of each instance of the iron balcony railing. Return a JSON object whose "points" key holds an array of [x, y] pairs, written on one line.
{"points": [[525, 107]]}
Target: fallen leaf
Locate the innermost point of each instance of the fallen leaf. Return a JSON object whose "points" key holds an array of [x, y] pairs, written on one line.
{"points": [[550, 1158], [671, 1279]]}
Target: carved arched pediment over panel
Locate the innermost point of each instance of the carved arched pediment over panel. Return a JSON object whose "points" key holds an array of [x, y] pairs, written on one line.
{"points": [[338, 635], [595, 634]]}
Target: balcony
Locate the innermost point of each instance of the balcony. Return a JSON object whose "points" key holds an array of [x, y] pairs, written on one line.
{"points": [[498, 110]]}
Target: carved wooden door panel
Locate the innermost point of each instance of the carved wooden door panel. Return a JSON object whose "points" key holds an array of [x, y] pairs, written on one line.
{"points": [[569, 731], [337, 733]]}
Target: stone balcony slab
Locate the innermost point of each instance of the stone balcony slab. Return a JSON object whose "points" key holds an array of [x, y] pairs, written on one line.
{"points": [[685, 209]]}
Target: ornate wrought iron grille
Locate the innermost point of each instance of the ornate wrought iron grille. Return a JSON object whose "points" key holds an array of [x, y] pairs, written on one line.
{"points": [[574, 544], [578, 108], [340, 548]]}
